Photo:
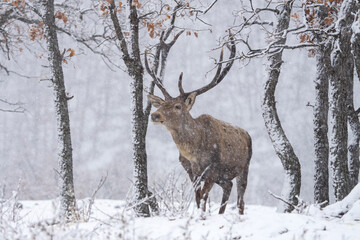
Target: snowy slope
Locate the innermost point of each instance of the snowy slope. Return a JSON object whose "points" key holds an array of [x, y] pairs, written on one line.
{"points": [[110, 219]]}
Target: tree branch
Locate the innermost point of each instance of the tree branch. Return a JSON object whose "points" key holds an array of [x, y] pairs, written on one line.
{"points": [[18, 108], [118, 31]]}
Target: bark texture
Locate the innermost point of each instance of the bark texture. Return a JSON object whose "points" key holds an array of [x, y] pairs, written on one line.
{"points": [[354, 164], [66, 183], [131, 55], [342, 65], [132, 60], [354, 138], [355, 44], [276, 133], [321, 109]]}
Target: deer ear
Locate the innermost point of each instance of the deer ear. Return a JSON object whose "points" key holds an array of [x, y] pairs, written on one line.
{"points": [[190, 100], [155, 101]]}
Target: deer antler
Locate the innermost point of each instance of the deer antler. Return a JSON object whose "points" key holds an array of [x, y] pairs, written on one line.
{"points": [[220, 73], [156, 80], [181, 90]]}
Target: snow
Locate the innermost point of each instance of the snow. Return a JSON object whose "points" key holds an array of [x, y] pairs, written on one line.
{"points": [[349, 205], [110, 219]]}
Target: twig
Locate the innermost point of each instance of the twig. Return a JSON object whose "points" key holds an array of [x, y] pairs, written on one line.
{"points": [[92, 199], [283, 200], [18, 109]]}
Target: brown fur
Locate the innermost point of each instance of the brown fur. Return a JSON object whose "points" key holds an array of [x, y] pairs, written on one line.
{"points": [[210, 150]]}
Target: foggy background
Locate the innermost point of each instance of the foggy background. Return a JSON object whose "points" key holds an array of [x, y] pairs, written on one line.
{"points": [[100, 118]]}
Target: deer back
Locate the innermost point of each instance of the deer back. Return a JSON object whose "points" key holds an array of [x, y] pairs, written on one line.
{"points": [[214, 142]]}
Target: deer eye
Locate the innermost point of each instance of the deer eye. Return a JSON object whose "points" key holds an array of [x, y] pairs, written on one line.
{"points": [[178, 106]]}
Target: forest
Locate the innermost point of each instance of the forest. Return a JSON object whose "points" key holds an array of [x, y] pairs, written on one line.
{"points": [[118, 117]]}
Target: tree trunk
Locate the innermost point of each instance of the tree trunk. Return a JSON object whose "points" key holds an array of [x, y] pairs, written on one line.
{"points": [[133, 63], [343, 65], [66, 183], [321, 111], [321, 108], [354, 137], [138, 143], [354, 164], [282, 146], [355, 44]]}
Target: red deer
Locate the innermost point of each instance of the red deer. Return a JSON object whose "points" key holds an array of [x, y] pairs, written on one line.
{"points": [[210, 150]]}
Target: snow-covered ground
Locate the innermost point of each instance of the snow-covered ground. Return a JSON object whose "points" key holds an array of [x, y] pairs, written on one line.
{"points": [[111, 219]]}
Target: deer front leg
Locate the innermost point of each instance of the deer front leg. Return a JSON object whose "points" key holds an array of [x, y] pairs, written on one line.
{"points": [[197, 187], [194, 179], [187, 166], [204, 193]]}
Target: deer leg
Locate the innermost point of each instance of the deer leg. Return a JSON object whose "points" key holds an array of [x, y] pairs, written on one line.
{"points": [[241, 182], [194, 179], [197, 187], [226, 185], [204, 193], [187, 166]]}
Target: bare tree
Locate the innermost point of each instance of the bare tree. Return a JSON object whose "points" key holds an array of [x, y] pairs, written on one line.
{"points": [[326, 32], [279, 28], [39, 18], [66, 181], [321, 108], [354, 151], [321, 105], [336, 63], [343, 67], [276, 133], [130, 49]]}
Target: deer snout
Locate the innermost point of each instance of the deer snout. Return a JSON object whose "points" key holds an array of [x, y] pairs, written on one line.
{"points": [[156, 118]]}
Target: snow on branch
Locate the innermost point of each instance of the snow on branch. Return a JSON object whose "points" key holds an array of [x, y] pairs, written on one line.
{"points": [[264, 18], [207, 9]]}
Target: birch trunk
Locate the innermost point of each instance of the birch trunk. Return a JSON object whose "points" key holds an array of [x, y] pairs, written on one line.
{"points": [[66, 183], [276, 133]]}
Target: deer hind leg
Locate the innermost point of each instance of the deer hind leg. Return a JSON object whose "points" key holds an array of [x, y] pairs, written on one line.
{"points": [[226, 185], [241, 182]]}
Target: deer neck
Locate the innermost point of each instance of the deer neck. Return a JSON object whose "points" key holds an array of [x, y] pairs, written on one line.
{"points": [[185, 136]]}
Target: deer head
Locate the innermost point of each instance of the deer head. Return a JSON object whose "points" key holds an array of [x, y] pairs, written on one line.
{"points": [[173, 112]]}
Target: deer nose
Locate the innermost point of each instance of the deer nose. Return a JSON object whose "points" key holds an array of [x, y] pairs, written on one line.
{"points": [[155, 117]]}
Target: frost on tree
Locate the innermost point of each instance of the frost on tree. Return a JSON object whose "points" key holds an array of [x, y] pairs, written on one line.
{"points": [[321, 106], [131, 54], [66, 184], [282, 146], [343, 65], [354, 152], [321, 109]]}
